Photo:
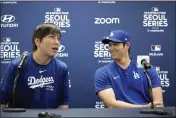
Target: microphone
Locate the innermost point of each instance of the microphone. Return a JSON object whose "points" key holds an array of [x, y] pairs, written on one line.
{"points": [[23, 58], [145, 64]]}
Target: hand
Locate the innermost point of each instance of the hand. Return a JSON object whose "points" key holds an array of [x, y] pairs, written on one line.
{"points": [[160, 105], [2, 106], [148, 105], [156, 104]]}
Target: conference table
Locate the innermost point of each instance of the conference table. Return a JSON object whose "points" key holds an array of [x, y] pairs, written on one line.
{"points": [[90, 112]]}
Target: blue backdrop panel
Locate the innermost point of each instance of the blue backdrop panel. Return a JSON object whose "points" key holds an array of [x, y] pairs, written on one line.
{"points": [[151, 26]]}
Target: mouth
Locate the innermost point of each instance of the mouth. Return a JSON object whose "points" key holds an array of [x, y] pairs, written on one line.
{"points": [[55, 49], [112, 52]]}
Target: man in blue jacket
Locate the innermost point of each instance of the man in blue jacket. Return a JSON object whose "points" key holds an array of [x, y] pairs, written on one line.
{"points": [[121, 84], [43, 80]]}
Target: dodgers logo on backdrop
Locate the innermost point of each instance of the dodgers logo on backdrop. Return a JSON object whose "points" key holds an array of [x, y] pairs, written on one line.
{"points": [[58, 17], [155, 20], [8, 50], [61, 52], [8, 20], [156, 50], [101, 52]]}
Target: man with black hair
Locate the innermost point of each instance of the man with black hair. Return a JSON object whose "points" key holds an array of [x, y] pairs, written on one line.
{"points": [[43, 79], [121, 84]]}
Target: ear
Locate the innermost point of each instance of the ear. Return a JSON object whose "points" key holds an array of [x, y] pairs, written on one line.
{"points": [[128, 45], [37, 42]]}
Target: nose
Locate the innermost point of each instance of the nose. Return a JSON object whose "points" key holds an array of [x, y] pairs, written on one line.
{"points": [[57, 41], [110, 47]]}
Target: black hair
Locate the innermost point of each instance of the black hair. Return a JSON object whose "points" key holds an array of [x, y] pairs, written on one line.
{"points": [[43, 30]]}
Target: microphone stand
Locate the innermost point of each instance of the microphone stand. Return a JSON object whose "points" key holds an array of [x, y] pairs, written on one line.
{"points": [[150, 88], [11, 105], [152, 110], [14, 87]]}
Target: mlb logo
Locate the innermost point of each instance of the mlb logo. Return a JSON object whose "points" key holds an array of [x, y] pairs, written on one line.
{"points": [[57, 9], [155, 9], [157, 68], [7, 39], [155, 47]]}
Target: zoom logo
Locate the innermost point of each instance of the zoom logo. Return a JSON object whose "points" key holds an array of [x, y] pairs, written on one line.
{"points": [[107, 21]]}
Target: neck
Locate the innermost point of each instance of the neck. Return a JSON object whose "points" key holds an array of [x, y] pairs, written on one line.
{"points": [[123, 63], [41, 58]]}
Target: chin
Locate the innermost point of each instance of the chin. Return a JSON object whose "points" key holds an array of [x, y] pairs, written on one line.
{"points": [[52, 54], [115, 58]]}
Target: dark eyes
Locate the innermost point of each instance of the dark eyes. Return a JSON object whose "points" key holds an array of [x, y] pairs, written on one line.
{"points": [[53, 36], [59, 38]]}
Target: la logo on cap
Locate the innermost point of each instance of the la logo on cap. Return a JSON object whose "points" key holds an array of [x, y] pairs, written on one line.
{"points": [[112, 34]]}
